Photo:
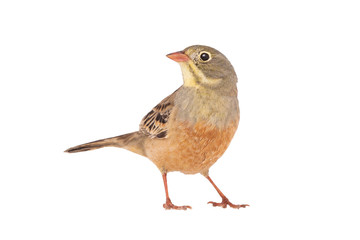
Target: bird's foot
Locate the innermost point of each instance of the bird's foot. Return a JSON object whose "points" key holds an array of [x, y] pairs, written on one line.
{"points": [[225, 202], [169, 205]]}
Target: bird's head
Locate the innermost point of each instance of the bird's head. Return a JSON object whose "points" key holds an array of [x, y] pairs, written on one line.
{"points": [[206, 67]]}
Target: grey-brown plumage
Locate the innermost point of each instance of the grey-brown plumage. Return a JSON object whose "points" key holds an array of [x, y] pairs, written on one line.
{"points": [[131, 141]]}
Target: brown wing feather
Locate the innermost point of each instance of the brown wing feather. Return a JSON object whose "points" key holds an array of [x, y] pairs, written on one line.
{"points": [[154, 124]]}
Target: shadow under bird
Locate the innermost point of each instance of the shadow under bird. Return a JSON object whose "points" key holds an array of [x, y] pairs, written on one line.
{"points": [[189, 130]]}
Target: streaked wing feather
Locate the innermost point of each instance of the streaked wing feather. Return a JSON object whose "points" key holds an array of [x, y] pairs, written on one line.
{"points": [[154, 124]]}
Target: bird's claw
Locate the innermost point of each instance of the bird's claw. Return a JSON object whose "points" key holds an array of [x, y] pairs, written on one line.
{"points": [[170, 205], [225, 202]]}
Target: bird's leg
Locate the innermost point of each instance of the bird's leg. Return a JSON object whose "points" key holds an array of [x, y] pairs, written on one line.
{"points": [[169, 204], [225, 201]]}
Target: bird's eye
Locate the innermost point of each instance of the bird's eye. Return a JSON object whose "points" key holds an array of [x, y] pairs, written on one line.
{"points": [[204, 56]]}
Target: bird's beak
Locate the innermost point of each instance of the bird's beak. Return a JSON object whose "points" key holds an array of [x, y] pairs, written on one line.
{"points": [[178, 56]]}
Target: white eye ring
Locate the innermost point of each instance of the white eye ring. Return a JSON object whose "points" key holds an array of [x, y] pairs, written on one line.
{"points": [[205, 56]]}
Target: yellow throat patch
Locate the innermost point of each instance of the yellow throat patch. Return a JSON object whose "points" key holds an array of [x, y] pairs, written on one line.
{"points": [[193, 77]]}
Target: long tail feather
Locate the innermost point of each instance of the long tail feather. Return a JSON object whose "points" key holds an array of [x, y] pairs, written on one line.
{"points": [[130, 140]]}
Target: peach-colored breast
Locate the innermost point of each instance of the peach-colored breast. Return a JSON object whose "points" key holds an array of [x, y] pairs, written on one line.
{"points": [[190, 149]]}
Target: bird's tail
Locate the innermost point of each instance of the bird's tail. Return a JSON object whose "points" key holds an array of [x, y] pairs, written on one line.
{"points": [[131, 141]]}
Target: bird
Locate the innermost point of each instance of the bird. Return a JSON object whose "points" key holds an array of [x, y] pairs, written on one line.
{"points": [[189, 130]]}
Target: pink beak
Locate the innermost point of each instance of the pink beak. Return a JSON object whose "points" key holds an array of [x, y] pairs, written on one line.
{"points": [[178, 56]]}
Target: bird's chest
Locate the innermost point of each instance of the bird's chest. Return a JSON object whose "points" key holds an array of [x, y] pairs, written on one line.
{"points": [[206, 108]]}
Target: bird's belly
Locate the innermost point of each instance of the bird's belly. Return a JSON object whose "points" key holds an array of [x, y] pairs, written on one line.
{"points": [[190, 149]]}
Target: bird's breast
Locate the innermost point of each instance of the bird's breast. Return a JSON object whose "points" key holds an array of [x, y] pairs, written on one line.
{"points": [[191, 148]]}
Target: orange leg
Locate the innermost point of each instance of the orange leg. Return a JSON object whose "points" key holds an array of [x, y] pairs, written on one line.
{"points": [[225, 201], [169, 204]]}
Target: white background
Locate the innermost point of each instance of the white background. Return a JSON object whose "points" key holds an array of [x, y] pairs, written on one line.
{"points": [[76, 71]]}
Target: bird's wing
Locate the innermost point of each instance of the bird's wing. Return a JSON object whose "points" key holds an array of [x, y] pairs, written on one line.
{"points": [[154, 124]]}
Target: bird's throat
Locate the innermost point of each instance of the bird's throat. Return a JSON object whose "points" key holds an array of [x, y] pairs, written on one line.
{"points": [[193, 77]]}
